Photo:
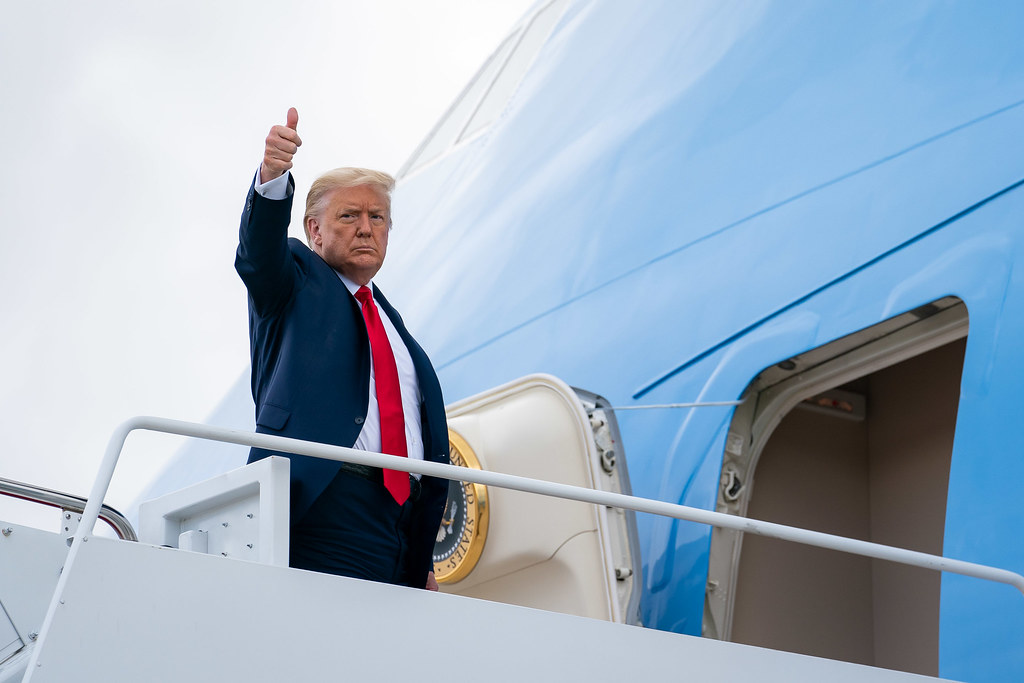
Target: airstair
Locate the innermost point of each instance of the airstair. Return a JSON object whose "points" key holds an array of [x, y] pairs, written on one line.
{"points": [[205, 596]]}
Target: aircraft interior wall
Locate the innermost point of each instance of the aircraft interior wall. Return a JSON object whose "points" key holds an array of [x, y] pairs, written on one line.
{"points": [[882, 478]]}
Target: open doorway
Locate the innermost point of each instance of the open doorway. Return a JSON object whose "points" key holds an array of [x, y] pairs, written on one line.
{"points": [[855, 439]]}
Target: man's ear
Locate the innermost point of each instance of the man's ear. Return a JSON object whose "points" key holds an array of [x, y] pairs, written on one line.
{"points": [[313, 231]]}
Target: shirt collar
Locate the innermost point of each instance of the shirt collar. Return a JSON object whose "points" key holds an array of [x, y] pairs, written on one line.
{"points": [[352, 286]]}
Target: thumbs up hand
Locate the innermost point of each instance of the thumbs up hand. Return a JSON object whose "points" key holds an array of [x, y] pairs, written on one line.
{"points": [[282, 143]]}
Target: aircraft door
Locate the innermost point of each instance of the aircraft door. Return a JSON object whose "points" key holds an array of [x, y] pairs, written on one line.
{"points": [[533, 550]]}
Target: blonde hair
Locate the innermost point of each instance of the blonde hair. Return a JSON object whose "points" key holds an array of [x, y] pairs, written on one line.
{"points": [[316, 200]]}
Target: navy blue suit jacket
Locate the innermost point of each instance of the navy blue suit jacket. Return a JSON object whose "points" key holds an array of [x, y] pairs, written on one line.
{"points": [[311, 365]]}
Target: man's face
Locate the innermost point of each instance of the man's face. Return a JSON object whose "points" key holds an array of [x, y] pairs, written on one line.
{"points": [[351, 233]]}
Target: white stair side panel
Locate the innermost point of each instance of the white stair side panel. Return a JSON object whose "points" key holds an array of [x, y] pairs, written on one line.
{"points": [[135, 612], [30, 565]]}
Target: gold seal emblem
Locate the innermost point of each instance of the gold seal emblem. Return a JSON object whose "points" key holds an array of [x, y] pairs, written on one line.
{"points": [[463, 530]]}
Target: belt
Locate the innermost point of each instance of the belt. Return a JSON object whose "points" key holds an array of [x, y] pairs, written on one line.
{"points": [[374, 474]]}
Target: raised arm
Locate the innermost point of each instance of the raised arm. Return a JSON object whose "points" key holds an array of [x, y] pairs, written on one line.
{"points": [[263, 260]]}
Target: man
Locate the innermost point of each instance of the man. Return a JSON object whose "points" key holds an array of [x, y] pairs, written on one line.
{"points": [[332, 362]]}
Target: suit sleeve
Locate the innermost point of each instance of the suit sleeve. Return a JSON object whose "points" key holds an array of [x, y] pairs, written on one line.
{"points": [[424, 530], [435, 490], [263, 259]]}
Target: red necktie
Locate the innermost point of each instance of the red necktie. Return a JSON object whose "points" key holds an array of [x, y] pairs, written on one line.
{"points": [[389, 396]]}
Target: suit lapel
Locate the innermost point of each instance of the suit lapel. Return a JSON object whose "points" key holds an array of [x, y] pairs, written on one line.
{"points": [[410, 343], [430, 387]]}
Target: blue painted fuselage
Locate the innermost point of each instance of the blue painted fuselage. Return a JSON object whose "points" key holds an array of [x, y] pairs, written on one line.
{"points": [[679, 195]]}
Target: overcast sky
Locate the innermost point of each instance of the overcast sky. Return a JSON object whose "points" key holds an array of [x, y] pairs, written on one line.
{"points": [[132, 131]]}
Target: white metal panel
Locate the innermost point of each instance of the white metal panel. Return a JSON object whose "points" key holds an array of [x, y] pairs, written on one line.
{"points": [[30, 564], [134, 612], [242, 514]]}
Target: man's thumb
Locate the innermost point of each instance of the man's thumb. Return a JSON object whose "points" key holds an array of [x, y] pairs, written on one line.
{"points": [[293, 118]]}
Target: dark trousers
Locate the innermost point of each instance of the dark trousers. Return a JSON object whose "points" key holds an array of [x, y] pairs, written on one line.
{"points": [[355, 528]]}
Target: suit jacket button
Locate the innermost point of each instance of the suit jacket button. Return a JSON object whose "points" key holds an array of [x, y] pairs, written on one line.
{"points": [[359, 420]]}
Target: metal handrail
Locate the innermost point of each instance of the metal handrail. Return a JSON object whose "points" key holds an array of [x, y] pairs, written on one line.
{"points": [[66, 502], [584, 495]]}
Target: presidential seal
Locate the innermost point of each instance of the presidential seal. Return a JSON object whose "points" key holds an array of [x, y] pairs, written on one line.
{"points": [[463, 530]]}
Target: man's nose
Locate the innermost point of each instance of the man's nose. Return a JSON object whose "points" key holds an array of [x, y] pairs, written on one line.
{"points": [[363, 225]]}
